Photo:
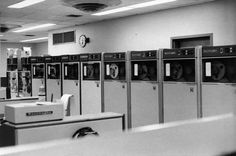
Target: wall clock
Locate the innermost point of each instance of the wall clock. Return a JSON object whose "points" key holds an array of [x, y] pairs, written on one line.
{"points": [[83, 40]]}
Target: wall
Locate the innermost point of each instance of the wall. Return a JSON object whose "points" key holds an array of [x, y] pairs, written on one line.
{"points": [[39, 49], [154, 30]]}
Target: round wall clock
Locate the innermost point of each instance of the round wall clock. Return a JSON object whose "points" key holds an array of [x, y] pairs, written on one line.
{"points": [[83, 40]]}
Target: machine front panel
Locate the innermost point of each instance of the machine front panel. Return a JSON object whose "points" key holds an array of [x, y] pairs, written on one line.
{"points": [[144, 103], [144, 70], [73, 87], [180, 101], [143, 55], [66, 130], [53, 71], [36, 84], [38, 71], [53, 87], [178, 53], [179, 70], [218, 99], [115, 98], [114, 71], [91, 71], [219, 70], [91, 97], [71, 71], [219, 51], [24, 84]]}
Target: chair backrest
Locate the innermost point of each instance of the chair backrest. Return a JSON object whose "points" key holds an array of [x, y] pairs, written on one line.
{"points": [[65, 99]]}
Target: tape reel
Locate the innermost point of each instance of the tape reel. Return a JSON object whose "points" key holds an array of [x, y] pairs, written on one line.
{"points": [[143, 72], [231, 71], [114, 71], [176, 71], [90, 71], [218, 70]]}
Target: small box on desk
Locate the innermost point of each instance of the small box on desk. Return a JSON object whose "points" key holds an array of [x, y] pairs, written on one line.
{"points": [[34, 112]]}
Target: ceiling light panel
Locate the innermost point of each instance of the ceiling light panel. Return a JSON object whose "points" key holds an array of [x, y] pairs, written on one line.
{"points": [[34, 27], [35, 39], [135, 6], [25, 3]]}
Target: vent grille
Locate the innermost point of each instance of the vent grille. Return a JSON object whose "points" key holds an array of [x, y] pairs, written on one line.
{"points": [[90, 7], [29, 35], [74, 16], [6, 27], [65, 37], [3, 40]]}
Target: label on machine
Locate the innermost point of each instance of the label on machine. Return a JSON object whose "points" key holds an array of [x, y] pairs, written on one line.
{"points": [[168, 69], [107, 69], [65, 70], [34, 71], [85, 70], [208, 69], [49, 72], [135, 69]]}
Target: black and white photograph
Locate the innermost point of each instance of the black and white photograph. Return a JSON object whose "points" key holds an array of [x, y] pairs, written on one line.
{"points": [[118, 77]]}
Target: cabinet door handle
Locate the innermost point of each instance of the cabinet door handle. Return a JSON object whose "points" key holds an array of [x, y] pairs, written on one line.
{"points": [[154, 87], [191, 89], [123, 86]]}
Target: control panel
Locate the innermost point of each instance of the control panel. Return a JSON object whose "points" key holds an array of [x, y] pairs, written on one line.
{"points": [[70, 58], [48, 59], [56, 58], [73, 58], [219, 51], [90, 57], [114, 56], [65, 58], [179, 53], [33, 59], [143, 55], [25, 60]]}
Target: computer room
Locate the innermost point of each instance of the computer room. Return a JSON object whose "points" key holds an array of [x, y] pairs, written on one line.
{"points": [[117, 77]]}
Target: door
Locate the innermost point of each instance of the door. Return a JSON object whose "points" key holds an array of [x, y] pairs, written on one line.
{"points": [[144, 93], [218, 86], [53, 81], [180, 91], [71, 85], [38, 77], [91, 88], [115, 88]]}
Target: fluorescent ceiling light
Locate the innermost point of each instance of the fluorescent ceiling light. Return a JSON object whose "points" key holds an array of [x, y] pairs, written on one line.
{"points": [[35, 27], [35, 39], [25, 3], [135, 6], [1, 35]]}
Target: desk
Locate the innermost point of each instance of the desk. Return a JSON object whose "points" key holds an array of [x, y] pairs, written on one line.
{"points": [[204, 137], [52, 130]]}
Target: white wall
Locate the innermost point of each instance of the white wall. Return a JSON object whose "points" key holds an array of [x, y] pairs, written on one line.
{"points": [[154, 30], [39, 49]]}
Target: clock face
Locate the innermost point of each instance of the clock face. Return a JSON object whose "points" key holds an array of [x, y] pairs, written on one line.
{"points": [[82, 41]]}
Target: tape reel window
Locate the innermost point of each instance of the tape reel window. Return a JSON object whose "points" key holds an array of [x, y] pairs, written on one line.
{"points": [[115, 71]]}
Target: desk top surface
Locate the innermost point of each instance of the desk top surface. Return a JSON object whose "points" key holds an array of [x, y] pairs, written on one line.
{"points": [[204, 138], [69, 119]]}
